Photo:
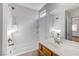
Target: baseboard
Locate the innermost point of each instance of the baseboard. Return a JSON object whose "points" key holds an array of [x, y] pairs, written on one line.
{"points": [[24, 52]]}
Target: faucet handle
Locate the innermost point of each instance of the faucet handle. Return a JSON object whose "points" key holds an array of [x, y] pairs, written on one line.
{"points": [[9, 40]]}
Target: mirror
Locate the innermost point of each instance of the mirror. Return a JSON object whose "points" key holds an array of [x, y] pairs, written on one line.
{"points": [[65, 20], [72, 24]]}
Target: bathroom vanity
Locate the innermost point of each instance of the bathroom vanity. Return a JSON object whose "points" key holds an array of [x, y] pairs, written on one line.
{"points": [[44, 51], [67, 48]]}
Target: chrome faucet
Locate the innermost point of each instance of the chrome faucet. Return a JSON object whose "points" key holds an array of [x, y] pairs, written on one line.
{"points": [[11, 43], [57, 39]]}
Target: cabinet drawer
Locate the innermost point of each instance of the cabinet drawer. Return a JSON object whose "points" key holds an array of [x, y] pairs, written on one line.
{"points": [[41, 53], [46, 51]]}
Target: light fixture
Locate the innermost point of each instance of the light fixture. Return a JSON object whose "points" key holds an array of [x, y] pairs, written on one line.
{"points": [[43, 13], [54, 30]]}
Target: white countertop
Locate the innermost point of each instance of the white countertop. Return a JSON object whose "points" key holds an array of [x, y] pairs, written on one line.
{"points": [[67, 48]]}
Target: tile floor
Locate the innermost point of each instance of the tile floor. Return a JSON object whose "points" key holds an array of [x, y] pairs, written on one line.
{"points": [[33, 53]]}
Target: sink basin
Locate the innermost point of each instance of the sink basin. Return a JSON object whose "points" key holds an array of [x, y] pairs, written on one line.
{"points": [[66, 43], [69, 50], [71, 43], [54, 44]]}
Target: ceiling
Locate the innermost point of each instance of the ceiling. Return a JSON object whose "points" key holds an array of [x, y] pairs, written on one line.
{"points": [[38, 6], [35, 6], [68, 6]]}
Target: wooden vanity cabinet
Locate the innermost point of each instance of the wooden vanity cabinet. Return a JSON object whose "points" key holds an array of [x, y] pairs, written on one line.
{"points": [[44, 51]]}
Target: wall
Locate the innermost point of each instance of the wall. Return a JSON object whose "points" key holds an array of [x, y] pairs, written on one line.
{"points": [[74, 12], [59, 23], [44, 26], [1, 28], [25, 38]]}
